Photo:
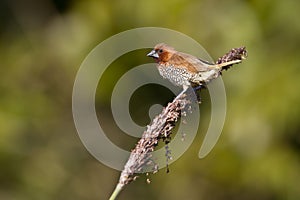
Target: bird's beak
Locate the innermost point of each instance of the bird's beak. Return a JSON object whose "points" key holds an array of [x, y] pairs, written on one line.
{"points": [[153, 54]]}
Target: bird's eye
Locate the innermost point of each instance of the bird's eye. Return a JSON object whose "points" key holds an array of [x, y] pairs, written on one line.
{"points": [[160, 51]]}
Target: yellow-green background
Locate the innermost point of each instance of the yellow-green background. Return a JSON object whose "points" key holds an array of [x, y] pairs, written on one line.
{"points": [[42, 44]]}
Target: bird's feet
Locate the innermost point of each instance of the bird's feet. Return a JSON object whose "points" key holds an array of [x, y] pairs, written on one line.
{"points": [[197, 90]]}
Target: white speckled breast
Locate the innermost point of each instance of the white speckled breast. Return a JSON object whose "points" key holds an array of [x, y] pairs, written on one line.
{"points": [[178, 76]]}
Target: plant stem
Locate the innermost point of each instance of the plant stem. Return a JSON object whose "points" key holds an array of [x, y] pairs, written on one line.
{"points": [[116, 192]]}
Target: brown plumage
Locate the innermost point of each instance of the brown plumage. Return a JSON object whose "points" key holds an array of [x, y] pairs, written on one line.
{"points": [[183, 69]]}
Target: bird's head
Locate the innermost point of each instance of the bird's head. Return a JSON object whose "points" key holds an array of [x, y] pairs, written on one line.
{"points": [[162, 52]]}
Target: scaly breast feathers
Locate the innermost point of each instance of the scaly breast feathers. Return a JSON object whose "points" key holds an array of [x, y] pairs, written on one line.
{"points": [[181, 76], [178, 76]]}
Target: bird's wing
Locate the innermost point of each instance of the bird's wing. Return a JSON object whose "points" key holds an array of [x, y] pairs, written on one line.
{"points": [[191, 62]]}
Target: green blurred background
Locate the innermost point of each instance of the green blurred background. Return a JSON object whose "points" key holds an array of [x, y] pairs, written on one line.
{"points": [[42, 44]]}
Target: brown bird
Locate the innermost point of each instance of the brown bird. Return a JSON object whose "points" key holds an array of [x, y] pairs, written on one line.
{"points": [[183, 69]]}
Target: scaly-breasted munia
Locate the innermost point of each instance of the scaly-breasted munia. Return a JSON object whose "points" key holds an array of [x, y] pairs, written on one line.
{"points": [[183, 69]]}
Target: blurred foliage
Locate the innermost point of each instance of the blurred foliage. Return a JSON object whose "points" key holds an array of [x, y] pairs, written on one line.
{"points": [[42, 44]]}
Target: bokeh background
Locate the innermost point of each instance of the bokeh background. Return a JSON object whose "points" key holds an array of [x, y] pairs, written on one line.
{"points": [[42, 44]]}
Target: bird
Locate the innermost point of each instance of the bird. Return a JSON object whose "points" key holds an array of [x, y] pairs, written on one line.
{"points": [[186, 70]]}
